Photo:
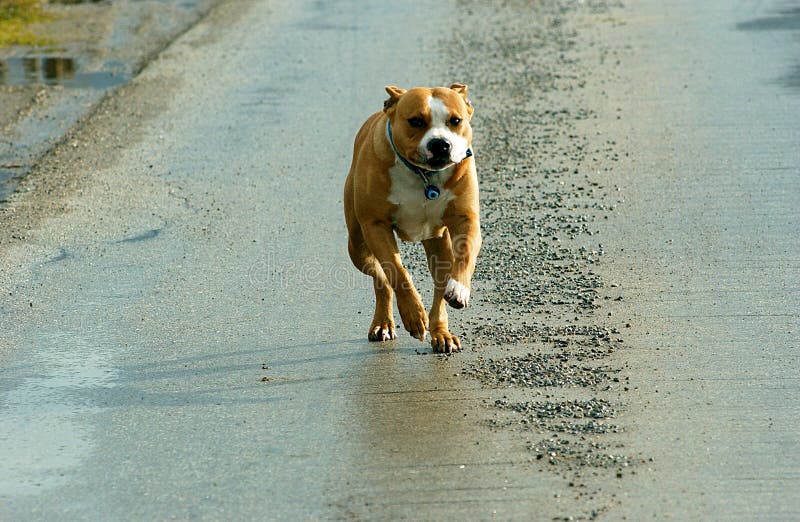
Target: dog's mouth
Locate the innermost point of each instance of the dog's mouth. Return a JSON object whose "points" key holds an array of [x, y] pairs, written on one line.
{"points": [[439, 162]]}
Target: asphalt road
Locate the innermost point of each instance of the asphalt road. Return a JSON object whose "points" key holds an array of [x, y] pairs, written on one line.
{"points": [[205, 251], [706, 251], [184, 336]]}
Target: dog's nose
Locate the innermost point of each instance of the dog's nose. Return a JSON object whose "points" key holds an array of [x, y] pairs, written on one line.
{"points": [[439, 147]]}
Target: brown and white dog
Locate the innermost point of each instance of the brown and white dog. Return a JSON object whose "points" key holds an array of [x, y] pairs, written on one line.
{"points": [[413, 174]]}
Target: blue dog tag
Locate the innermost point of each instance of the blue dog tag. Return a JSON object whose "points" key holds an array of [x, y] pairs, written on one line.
{"points": [[432, 192]]}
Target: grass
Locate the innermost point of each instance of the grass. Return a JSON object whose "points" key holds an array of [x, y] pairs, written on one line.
{"points": [[15, 17]]}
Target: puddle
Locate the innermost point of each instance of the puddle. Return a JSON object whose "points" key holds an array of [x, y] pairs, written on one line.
{"points": [[45, 429], [56, 70], [50, 68], [138, 29]]}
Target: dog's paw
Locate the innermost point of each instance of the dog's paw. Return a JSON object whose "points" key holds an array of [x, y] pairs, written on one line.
{"points": [[383, 331], [443, 341], [456, 294], [414, 316]]}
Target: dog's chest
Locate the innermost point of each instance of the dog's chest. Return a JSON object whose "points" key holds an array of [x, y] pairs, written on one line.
{"points": [[416, 216]]}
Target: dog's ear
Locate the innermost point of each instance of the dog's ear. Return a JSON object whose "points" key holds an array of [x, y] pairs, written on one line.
{"points": [[394, 95], [461, 90]]}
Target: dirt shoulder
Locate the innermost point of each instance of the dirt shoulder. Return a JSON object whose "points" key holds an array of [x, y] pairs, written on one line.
{"points": [[88, 50]]}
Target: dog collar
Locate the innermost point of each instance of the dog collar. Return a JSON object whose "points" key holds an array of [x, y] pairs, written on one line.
{"points": [[431, 191]]}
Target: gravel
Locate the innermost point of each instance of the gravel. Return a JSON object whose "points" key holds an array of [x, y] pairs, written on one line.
{"points": [[573, 417], [537, 370]]}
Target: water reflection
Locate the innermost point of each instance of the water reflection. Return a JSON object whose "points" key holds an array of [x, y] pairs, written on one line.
{"points": [[54, 70], [44, 69], [406, 417]]}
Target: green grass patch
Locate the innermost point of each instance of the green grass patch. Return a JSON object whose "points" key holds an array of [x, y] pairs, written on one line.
{"points": [[15, 18]]}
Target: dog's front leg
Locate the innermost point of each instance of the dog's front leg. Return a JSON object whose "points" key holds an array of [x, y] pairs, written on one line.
{"points": [[465, 233], [381, 242], [440, 262]]}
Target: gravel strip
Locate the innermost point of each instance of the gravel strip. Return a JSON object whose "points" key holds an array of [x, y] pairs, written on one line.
{"points": [[538, 321]]}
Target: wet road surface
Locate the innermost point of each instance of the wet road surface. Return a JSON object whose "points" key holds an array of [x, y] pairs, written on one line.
{"points": [[186, 337], [189, 338]]}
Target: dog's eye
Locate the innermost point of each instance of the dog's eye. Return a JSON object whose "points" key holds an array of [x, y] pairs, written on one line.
{"points": [[455, 122], [417, 123]]}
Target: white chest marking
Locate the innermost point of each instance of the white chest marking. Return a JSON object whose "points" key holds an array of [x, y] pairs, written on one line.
{"points": [[416, 216]]}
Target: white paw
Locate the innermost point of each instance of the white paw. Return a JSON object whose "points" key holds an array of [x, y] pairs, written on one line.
{"points": [[456, 294]]}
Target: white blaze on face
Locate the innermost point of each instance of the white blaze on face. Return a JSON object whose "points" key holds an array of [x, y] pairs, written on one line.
{"points": [[440, 115]]}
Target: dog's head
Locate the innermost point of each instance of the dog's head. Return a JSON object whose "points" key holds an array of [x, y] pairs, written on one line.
{"points": [[430, 127]]}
